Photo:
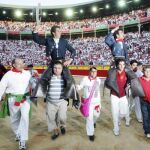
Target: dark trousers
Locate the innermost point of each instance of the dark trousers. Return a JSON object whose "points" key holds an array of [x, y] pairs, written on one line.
{"points": [[145, 107]]}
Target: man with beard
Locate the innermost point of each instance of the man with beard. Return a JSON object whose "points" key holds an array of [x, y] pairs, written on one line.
{"points": [[135, 101]]}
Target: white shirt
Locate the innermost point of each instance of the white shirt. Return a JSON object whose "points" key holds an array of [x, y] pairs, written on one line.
{"points": [[139, 73], [87, 84], [56, 42], [121, 44], [15, 83]]}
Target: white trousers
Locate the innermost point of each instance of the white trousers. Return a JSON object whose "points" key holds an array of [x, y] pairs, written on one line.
{"points": [[91, 119], [119, 108], [56, 115], [19, 118], [136, 106]]}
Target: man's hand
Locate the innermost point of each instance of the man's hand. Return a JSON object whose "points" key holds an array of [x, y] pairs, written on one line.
{"points": [[35, 73], [115, 29], [36, 28], [76, 104], [68, 62], [78, 87], [3, 98]]}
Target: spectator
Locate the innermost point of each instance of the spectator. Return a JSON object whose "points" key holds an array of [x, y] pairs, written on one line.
{"points": [[3, 70]]}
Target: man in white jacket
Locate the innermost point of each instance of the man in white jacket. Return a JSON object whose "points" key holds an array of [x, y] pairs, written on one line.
{"points": [[95, 105], [15, 84]]}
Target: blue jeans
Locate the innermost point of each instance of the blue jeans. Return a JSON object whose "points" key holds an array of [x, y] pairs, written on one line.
{"points": [[145, 108]]}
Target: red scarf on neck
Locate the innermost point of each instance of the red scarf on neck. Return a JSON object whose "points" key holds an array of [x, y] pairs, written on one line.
{"points": [[15, 70], [91, 78], [119, 40]]}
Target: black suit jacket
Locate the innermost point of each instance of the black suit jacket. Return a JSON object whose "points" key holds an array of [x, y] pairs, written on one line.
{"points": [[51, 49]]}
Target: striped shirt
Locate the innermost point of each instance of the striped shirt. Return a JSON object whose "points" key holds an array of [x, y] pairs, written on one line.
{"points": [[56, 89]]}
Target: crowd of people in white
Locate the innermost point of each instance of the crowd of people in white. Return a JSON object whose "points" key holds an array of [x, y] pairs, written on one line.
{"points": [[79, 24], [90, 50]]}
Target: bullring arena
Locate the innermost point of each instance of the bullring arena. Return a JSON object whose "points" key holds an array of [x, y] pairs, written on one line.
{"points": [[86, 32], [131, 138]]}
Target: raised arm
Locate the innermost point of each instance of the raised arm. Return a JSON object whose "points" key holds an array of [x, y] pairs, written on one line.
{"points": [[37, 38], [109, 40]]}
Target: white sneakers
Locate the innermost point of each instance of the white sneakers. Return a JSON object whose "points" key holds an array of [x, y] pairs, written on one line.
{"points": [[127, 123], [140, 120], [116, 132], [17, 138], [22, 145], [148, 135], [116, 128]]}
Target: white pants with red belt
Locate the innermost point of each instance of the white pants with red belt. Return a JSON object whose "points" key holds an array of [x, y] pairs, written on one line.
{"points": [[19, 117], [94, 113], [119, 108]]}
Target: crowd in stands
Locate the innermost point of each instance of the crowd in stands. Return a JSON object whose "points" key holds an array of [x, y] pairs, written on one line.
{"points": [[79, 24], [139, 46], [31, 52], [95, 51], [90, 50]]}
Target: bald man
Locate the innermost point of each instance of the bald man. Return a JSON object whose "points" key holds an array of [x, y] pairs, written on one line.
{"points": [[15, 84]]}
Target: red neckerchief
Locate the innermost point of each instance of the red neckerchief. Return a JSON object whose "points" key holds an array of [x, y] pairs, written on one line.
{"points": [[119, 40], [91, 78], [15, 70], [121, 75], [144, 78]]}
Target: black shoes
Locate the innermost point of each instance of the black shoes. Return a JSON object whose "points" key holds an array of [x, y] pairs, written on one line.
{"points": [[94, 125], [22, 145], [63, 130], [91, 138], [54, 136]]}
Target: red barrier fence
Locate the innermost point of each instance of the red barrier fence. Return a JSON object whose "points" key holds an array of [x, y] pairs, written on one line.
{"points": [[76, 70], [81, 70]]}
